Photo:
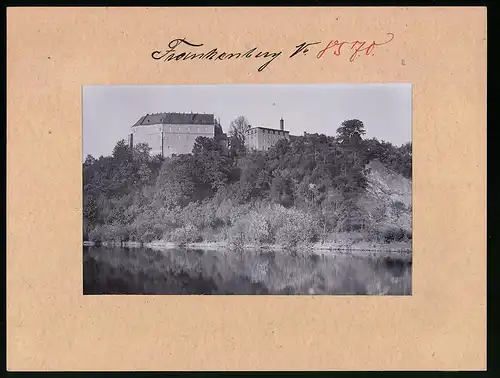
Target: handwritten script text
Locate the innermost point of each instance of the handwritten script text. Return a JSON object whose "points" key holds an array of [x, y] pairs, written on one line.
{"points": [[178, 51]]}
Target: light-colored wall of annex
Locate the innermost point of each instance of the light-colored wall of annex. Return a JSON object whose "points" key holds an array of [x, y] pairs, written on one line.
{"points": [[262, 139]]}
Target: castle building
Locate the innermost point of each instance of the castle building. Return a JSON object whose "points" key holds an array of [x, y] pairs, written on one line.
{"points": [[262, 138], [175, 133]]}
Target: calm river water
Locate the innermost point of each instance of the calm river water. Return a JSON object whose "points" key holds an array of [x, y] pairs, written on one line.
{"points": [[118, 270]]}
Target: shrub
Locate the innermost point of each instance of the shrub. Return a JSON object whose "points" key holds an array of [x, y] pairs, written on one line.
{"points": [[147, 237], [186, 234], [223, 212], [297, 228], [276, 216], [379, 212], [397, 208], [258, 230], [95, 234], [395, 235], [109, 233], [211, 236], [237, 234], [168, 218], [349, 238], [238, 212]]}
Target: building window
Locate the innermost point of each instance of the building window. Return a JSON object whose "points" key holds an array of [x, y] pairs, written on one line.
{"points": [[189, 129], [170, 129]]}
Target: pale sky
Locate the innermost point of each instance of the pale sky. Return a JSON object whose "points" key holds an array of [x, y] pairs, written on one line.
{"points": [[385, 109]]}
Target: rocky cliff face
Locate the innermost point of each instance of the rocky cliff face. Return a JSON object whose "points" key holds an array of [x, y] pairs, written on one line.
{"points": [[388, 198]]}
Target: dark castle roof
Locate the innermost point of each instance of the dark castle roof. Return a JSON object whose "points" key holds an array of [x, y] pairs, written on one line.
{"points": [[176, 118], [266, 128]]}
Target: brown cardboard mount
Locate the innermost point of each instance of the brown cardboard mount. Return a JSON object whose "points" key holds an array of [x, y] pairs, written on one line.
{"points": [[53, 52]]}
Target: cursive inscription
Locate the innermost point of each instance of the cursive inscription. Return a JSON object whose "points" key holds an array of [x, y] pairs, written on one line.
{"points": [[180, 49], [303, 48], [172, 53]]}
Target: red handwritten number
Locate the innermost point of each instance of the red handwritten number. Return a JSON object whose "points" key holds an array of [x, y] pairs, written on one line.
{"points": [[370, 48], [330, 45], [357, 47], [340, 47], [353, 56]]}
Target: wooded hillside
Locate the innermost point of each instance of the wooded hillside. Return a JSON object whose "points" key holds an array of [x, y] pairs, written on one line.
{"points": [[301, 191]]}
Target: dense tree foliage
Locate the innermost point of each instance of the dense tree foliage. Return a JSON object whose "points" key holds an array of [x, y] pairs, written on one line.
{"points": [[237, 131], [351, 132], [302, 188]]}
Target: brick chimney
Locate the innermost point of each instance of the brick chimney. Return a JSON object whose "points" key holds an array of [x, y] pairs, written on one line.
{"points": [[282, 124]]}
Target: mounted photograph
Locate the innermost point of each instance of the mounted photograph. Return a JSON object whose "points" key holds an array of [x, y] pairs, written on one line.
{"points": [[247, 189]]}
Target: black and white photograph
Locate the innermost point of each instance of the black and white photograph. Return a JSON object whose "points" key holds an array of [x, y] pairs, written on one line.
{"points": [[261, 189]]}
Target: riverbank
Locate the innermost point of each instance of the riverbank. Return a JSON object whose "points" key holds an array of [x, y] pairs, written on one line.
{"points": [[385, 250], [390, 250]]}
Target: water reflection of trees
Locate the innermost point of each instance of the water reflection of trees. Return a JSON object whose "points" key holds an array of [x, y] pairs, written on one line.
{"points": [[179, 271]]}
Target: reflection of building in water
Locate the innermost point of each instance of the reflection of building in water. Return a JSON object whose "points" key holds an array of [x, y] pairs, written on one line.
{"points": [[174, 133], [262, 138]]}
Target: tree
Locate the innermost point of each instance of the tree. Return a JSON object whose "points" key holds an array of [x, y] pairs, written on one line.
{"points": [[238, 130], [204, 144], [397, 208], [90, 209], [177, 184], [89, 160], [406, 148], [144, 173], [281, 191], [254, 180], [121, 151], [350, 132], [141, 153], [405, 160]]}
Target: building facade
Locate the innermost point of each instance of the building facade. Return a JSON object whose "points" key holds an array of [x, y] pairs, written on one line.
{"points": [[175, 133], [263, 138]]}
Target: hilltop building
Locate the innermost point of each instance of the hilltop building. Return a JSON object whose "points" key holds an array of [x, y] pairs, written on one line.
{"points": [[174, 133], [262, 138]]}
